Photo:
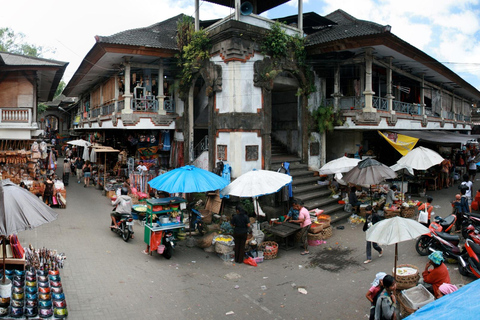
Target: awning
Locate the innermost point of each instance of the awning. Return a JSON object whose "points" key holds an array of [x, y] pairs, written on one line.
{"points": [[442, 137], [402, 143]]}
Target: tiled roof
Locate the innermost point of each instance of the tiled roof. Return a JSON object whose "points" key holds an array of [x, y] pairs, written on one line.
{"points": [[347, 27], [11, 59], [160, 35]]}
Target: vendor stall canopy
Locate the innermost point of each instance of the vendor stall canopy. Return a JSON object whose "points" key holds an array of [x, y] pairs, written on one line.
{"points": [[440, 137]]}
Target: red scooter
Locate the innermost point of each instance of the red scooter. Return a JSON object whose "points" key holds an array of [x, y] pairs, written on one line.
{"points": [[439, 238], [469, 262], [470, 230]]}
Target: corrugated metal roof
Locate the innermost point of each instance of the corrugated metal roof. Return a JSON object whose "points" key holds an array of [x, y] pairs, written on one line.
{"points": [[160, 35]]}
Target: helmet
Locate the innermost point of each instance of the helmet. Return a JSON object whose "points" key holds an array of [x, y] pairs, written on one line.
{"points": [[124, 191]]}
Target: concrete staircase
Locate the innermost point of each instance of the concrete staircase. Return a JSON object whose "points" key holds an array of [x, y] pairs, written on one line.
{"points": [[305, 186]]}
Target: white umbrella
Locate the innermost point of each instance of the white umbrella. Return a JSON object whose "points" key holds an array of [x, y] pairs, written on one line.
{"points": [[395, 230], [421, 158], [79, 143], [256, 183], [343, 164]]}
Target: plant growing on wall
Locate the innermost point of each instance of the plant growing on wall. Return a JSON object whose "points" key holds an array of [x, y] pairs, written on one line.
{"points": [[279, 45], [194, 47], [325, 119]]}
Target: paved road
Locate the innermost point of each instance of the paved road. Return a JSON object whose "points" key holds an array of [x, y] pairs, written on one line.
{"points": [[106, 278]]}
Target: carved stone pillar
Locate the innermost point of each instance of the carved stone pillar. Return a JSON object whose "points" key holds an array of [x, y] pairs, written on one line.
{"points": [[117, 93], [336, 89], [161, 95], [422, 96], [127, 96], [389, 95], [368, 93]]}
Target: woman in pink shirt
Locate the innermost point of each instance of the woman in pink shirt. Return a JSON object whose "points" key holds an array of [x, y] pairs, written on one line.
{"points": [[305, 222]]}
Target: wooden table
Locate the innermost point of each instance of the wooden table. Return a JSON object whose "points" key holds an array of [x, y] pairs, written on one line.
{"points": [[284, 231]]}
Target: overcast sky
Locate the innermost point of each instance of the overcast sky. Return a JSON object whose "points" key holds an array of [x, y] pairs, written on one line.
{"points": [[447, 30]]}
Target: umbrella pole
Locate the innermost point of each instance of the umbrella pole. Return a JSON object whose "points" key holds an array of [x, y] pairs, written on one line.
{"points": [[395, 265], [4, 250]]}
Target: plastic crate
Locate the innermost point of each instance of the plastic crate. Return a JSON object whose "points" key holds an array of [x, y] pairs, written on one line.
{"points": [[417, 297], [227, 257], [258, 259]]}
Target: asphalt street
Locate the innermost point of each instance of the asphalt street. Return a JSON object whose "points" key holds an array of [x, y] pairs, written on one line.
{"points": [[106, 278]]}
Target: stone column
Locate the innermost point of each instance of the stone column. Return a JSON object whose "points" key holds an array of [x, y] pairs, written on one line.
{"points": [[161, 95], [422, 96], [117, 92], [336, 89], [389, 95], [127, 96], [368, 93]]}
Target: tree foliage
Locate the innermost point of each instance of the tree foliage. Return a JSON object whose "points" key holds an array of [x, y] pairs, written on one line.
{"points": [[194, 47], [14, 43]]}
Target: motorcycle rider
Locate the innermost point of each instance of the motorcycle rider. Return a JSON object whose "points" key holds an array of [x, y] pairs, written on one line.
{"points": [[123, 206]]}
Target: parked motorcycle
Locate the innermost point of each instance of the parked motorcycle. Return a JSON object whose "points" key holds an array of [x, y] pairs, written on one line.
{"points": [[168, 242], [470, 228], [195, 218], [439, 238], [124, 226], [469, 262]]}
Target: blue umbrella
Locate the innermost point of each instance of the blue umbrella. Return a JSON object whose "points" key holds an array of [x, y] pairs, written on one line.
{"points": [[188, 179]]}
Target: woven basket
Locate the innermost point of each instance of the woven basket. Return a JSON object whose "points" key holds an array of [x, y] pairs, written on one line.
{"points": [[322, 235], [206, 215], [407, 281], [222, 247], [270, 249], [405, 311], [391, 213], [408, 212]]}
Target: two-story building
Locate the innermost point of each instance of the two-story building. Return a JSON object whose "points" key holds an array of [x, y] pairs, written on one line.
{"points": [[24, 82], [243, 100]]}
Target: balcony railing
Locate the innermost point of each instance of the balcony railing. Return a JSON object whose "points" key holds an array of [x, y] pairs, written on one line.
{"points": [[449, 115], [148, 104], [108, 108], [169, 105], [380, 103], [15, 115], [120, 105]]}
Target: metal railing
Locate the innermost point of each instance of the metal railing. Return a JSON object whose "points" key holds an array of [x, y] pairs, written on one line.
{"points": [[169, 105], [95, 112], [148, 104], [380, 103], [9, 115], [108, 108], [201, 147], [449, 115], [120, 105]]}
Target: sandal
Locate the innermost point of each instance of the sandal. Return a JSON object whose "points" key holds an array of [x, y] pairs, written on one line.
{"points": [[367, 261], [132, 236], [305, 253]]}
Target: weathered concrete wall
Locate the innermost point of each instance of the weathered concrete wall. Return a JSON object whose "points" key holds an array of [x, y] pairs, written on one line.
{"points": [[236, 143], [343, 142], [238, 92]]}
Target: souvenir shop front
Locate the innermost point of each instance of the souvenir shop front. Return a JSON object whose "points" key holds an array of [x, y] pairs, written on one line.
{"points": [[141, 156], [27, 163]]}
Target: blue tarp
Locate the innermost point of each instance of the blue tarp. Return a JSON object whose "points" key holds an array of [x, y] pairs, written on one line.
{"points": [[461, 304]]}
